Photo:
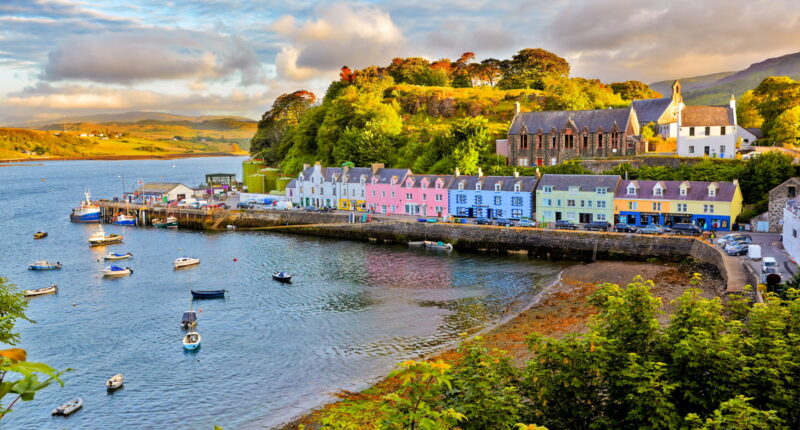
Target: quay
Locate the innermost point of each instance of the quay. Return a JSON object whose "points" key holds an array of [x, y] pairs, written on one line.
{"points": [[536, 242]]}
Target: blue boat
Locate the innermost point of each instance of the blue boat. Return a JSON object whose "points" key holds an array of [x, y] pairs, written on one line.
{"points": [[282, 277], [44, 265], [208, 294], [87, 212], [124, 220]]}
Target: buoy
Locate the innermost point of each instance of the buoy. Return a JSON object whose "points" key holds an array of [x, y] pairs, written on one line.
{"points": [[234, 259]]}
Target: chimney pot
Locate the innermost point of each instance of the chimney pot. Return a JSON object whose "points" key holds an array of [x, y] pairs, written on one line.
{"points": [[480, 172]]}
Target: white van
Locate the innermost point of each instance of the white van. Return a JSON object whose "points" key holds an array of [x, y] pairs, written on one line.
{"points": [[769, 265]]}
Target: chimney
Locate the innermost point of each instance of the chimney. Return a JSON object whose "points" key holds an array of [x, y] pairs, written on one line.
{"points": [[345, 170], [732, 104], [376, 167], [317, 167], [306, 166], [480, 172], [735, 182], [516, 173], [516, 108], [456, 173], [538, 174]]}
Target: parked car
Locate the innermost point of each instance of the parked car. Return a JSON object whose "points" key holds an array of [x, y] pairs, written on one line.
{"points": [[735, 243], [565, 225], [483, 221], [688, 229], [731, 237], [625, 228], [597, 226], [503, 222], [310, 208], [740, 249], [243, 205], [651, 229], [526, 222]]}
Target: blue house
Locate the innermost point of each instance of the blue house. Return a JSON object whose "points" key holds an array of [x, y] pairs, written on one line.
{"points": [[481, 196]]}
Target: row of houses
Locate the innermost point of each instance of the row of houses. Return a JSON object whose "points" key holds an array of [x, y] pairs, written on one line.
{"points": [[546, 198]]}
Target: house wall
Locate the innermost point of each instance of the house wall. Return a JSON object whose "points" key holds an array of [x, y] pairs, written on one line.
{"points": [[545, 153], [487, 206], [778, 196], [549, 205], [352, 196], [384, 198], [180, 189], [694, 146], [423, 201], [790, 233]]}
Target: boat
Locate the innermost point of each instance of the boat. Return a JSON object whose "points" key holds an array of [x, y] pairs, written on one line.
{"points": [[100, 237], [189, 319], [419, 243], [208, 294], [68, 408], [191, 341], [170, 222], [86, 212], [115, 382], [44, 265], [40, 235], [439, 245], [117, 256], [53, 289], [185, 262], [116, 271], [122, 219], [282, 277]]}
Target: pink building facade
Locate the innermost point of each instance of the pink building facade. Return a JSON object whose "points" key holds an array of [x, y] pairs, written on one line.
{"points": [[425, 195], [385, 190]]}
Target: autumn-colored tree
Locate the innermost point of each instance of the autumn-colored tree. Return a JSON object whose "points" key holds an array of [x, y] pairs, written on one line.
{"points": [[773, 96], [346, 75], [530, 67], [462, 77], [488, 71], [747, 111], [634, 90], [787, 126]]}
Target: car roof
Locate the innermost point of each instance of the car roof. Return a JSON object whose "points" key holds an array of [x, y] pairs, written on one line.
{"points": [[769, 259]]}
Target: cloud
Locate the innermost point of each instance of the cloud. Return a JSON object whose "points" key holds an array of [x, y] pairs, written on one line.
{"points": [[152, 54], [340, 34]]}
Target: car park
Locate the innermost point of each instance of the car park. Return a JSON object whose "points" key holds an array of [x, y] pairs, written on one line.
{"points": [[736, 242], [597, 226], [687, 229], [503, 222], [625, 228], [483, 221], [565, 225], [651, 229]]}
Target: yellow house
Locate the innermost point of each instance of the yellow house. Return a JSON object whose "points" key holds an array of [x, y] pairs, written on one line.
{"points": [[709, 205]]}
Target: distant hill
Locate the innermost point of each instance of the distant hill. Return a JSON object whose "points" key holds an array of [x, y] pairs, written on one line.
{"points": [[131, 117], [716, 89]]}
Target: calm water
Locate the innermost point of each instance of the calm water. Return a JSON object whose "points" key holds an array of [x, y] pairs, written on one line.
{"points": [[270, 351]]}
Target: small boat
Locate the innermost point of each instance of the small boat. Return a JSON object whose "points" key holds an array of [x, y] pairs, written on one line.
{"points": [[208, 294], [101, 238], [44, 265], [185, 262], [87, 212], [439, 245], [40, 235], [53, 289], [170, 222], [115, 271], [122, 219], [282, 277], [115, 382], [191, 341], [68, 408], [189, 320], [419, 243], [117, 256]]}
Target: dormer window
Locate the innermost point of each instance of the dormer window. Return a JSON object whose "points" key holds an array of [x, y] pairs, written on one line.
{"points": [[478, 186], [631, 190], [712, 191], [460, 186], [517, 188], [658, 191], [547, 188], [683, 191], [497, 187], [438, 185], [601, 190]]}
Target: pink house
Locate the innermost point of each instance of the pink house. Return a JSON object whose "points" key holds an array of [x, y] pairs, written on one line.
{"points": [[425, 195], [385, 190]]}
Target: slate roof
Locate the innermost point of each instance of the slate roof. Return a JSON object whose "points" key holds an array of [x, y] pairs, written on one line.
{"points": [[756, 132], [591, 119], [706, 116], [384, 175], [488, 182], [698, 191], [447, 180], [292, 184], [650, 110], [585, 182], [157, 187], [354, 174]]}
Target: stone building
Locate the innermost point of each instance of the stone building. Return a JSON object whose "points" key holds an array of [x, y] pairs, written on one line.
{"points": [[662, 112], [778, 197]]}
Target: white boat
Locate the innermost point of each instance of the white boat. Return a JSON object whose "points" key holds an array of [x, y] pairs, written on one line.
{"points": [[420, 243], [68, 408], [101, 238], [45, 265], [185, 262], [116, 271], [115, 382], [117, 256], [191, 341], [53, 289], [439, 245]]}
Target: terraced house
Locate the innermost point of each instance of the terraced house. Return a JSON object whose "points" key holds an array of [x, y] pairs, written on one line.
{"points": [[579, 199], [492, 196], [709, 205], [426, 195], [314, 186], [350, 185], [385, 190]]}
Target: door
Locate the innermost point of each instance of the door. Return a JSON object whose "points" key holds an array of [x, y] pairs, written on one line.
{"points": [[489, 213], [470, 212], [585, 218], [707, 150], [558, 216], [539, 161]]}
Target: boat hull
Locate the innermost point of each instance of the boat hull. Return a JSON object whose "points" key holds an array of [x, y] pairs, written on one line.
{"points": [[125, 222], [90, 217], [54, 267], [217, 294], [106, 241], [68, 408], [117, 257], [40, 291], [116, 273]]}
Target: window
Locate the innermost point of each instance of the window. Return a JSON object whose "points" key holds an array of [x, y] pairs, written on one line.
{"points": [[498, 213], [569, 141], [601, 190], [548, 202], [460, 186], [555, 141], [516, 213], [539, 141], [708, 131], [497, 187], [601, 204], [439, 209], [691, 131], [708, 209], [516, 201], [478, 200], [498, 200], [657, 206], [522, 162], [461, 211], [547, 189], [461, 198], [682, 207], [517, 188], [631, 191], [599, 217], [409, 196], [392, 194], [658, 191], [632, 206], [383, 193], [691, 149], [583, 203], [600, 140], [438, 197], [791, 191], [547, 215], [712, 192], [794, 232], [424, 196], [588, 203], [614, 140], [438, 185], [571, 203], [523, 141], [683, 191], [585, 140], [478, 186], [722, 131]]}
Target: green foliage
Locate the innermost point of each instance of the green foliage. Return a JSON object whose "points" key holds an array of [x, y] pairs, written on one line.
{"points": [[773, 96], [579, 94], [530, 67], [12, 308], [286, 113], [747, 111], [763, 173], [634, 90], [737, 414], [787, 126]]}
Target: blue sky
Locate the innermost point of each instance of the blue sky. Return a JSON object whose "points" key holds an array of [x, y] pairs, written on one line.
{"points": [[72, 57]]}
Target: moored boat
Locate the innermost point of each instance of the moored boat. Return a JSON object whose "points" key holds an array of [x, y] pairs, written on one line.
{"points": [[191, 341], [185, 262], [170, 222], [116, 271], [208, 294], [40, 235], [68, 408], [100, 237], [439, 245], [189, 319], [282, 277], [44, 265], [117, 256], [115, 382], [419, 243], [86, 212], [122, 219], [53, 289]]}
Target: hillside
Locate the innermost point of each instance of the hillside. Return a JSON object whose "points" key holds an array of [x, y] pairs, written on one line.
{"points": [[129, 117]]}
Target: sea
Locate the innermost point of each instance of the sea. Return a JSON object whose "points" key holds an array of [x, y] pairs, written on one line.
{"points": [[270, 351]]}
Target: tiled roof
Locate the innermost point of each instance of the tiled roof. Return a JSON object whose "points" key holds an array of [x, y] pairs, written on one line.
{"points": [[585, 182], [698, 191], [559, 120], [706, 116], [650, 110], [528, 183], [418, 180], [157, 187], [385, 175]]}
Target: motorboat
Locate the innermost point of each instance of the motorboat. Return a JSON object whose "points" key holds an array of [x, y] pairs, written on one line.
{"points": [[439, 245], [68, 408], [87, 212], [115, 382], [185, 262], [100, 237], [169, 222], [44, 265], [282, 277], [53, 289], [116, 271], [40, 235], [189, 320], [208, 294], [123, 219], [191, 341], [117, 256]]}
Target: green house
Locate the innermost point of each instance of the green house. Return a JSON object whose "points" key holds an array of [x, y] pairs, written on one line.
{"points": [[579, 199]]}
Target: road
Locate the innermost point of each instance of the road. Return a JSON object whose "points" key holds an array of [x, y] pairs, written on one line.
{"points": [[771, 246]]}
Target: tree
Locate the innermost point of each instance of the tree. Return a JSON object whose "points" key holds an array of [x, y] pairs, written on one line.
{"points": [[489, 71], [529, 68], [286, 112], [747, 111], [773, 96], [763, 173], [462, 72], [736, 414], [634, 90], [787, 126], [12, 308]]}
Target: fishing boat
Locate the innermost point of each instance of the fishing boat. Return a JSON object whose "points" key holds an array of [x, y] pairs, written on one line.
{"points": [[44, 265], [189, 319], [117, 256], [115, 382], [122, 219], [86, 212], [100, 237], [68, 408], [208, 294], [40, 235], [439, 245], [53, 289], [170, 222], [191, 341], [116, 271], [282, 277], [185, 262]]}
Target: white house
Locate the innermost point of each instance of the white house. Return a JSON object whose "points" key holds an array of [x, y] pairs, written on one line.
{"points": [[791, 229], [350, 185], [707, 131], [291, 192], [749, 136], [153, 192]]}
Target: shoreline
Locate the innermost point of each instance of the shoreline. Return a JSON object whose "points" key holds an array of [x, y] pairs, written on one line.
{"points": [[8, 161]]}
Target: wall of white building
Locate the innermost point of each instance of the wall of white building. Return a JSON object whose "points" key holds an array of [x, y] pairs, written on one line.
{"points": [[791, 232], [717, 144]]}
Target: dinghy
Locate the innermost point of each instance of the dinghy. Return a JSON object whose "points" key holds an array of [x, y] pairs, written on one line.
{"points": [[185, 262], [282, 277], [439, 245], [115, 382], [41, 291], [115, 271], [189, 320], [208, 294], [117, 256], [191, 341], [44, 265], [40, 235], [68, 408]]}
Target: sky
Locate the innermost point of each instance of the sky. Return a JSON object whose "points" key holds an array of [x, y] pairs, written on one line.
{"points": [[61, 58]]}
